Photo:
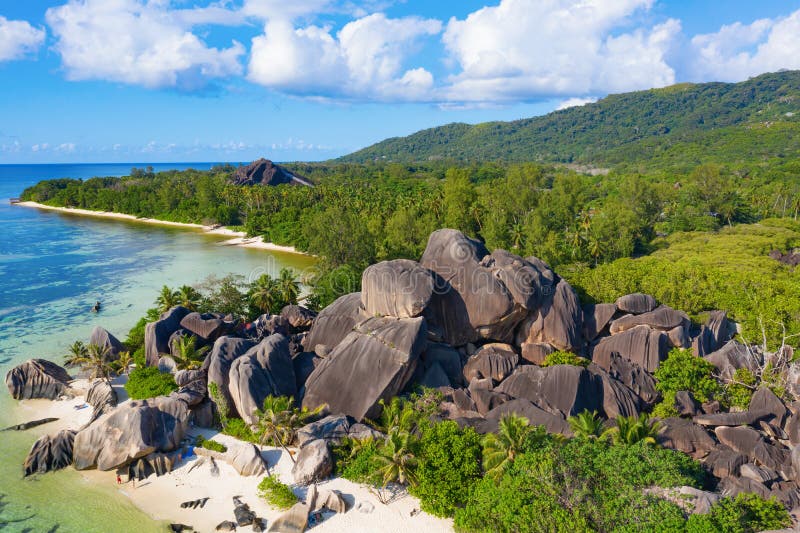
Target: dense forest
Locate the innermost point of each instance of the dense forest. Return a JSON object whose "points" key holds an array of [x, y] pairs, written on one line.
{"points": [[676, 128]]}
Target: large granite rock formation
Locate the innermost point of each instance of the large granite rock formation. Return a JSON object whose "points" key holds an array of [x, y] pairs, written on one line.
{"points": [[536, 416], [298, 317], [469, 301], [51, 452], [103, 338], [265, 370], [400, 288], [314, 463], [662, 318], [731, 357], [131, 431], [641, 345], [563, 390], [218, 364], [37, 378], [207, 327], [265, 172], [158, 333], [373, 362], [494, 361], [102, 397], [558, 321], [335, 322], [596, 318], [636, 303]]}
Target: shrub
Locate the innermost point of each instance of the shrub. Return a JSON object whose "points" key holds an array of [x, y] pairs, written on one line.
{"points": [[275, 493], [739, 391], [238, 429], [148, 382], [202, 442], [747, 513], [581, 485], [359, 462], [683, 371], [564, 358], [449, 466]]}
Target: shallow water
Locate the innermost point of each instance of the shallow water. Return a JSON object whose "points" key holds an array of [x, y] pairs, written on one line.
{"points": [[53, 267]]}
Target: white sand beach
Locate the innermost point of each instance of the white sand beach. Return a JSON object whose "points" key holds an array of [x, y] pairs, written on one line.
{"points": [[160, 497], [237, 238]]}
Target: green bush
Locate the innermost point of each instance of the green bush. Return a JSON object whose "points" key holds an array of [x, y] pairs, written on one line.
{"points": [[682, 371], [275, 493], [359, 464], [449, 466], [581, 485], [147, 382], [237, 428], [747, 513], [202, 442], [738, 393], [564, 358]]}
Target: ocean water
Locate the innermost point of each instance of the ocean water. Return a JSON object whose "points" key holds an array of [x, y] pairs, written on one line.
{"points": [[53, 267]]}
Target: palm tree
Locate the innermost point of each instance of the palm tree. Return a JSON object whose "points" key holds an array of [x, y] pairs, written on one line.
{"points": [[397, 415], [587, 424], [263, 293], [632, 429], [288, 286], [279, 420], [501, 448], [186, 354], [95, 362], [123, 363], [167, 299], [76, 353], [397, 460], [189, 297]]}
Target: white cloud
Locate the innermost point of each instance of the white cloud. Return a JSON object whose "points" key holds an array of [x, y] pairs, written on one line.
{"points": [[18, 39], [139, 43], [522, 50], [363, 60], [738, 51], [283, 10], [575, 102]]}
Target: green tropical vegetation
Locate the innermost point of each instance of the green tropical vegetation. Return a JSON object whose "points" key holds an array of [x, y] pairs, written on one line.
{"points": [[208, 444], [275, 493], [148, 382]]}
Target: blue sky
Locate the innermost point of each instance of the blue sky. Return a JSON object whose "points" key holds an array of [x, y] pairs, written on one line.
{"points": [[233, 80]]}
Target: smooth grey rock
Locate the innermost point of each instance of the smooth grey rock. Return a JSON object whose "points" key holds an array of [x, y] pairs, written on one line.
{"points": [[618, 398], [218, 364], [50, 452], [685, 436], [562, 390], [295, 520], [724, 462], [558, 321], [496, 361], [103, 338], [535, 352], [132, 430], [447, 358], [469, 301], [749, 442], [732, 419], [247, 460], [206, 326], [535, 416], [314, 463], [37, 378], [335, 322], [102, 397], [332, 428], [662, 318], [730, 358], [595, 319], [265, 370], [686, 404], [765, 400], [400, 288], [157, 334], [299, 317], [644, 346], [154, 463], [373, 362], [304, 364], [636, 303], [631, 375]]}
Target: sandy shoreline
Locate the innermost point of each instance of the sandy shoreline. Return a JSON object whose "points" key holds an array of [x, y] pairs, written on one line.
{"points": [[160, 497], [237, 238]]}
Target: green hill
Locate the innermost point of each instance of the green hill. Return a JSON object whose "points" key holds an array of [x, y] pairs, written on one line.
{"points": [[679, 126]]}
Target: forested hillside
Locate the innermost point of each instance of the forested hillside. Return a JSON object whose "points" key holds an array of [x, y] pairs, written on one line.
{"points": [[676, 127]]}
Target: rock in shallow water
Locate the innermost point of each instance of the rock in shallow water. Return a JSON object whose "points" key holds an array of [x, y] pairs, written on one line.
{"points": [[37, 378], [51, 452]]}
